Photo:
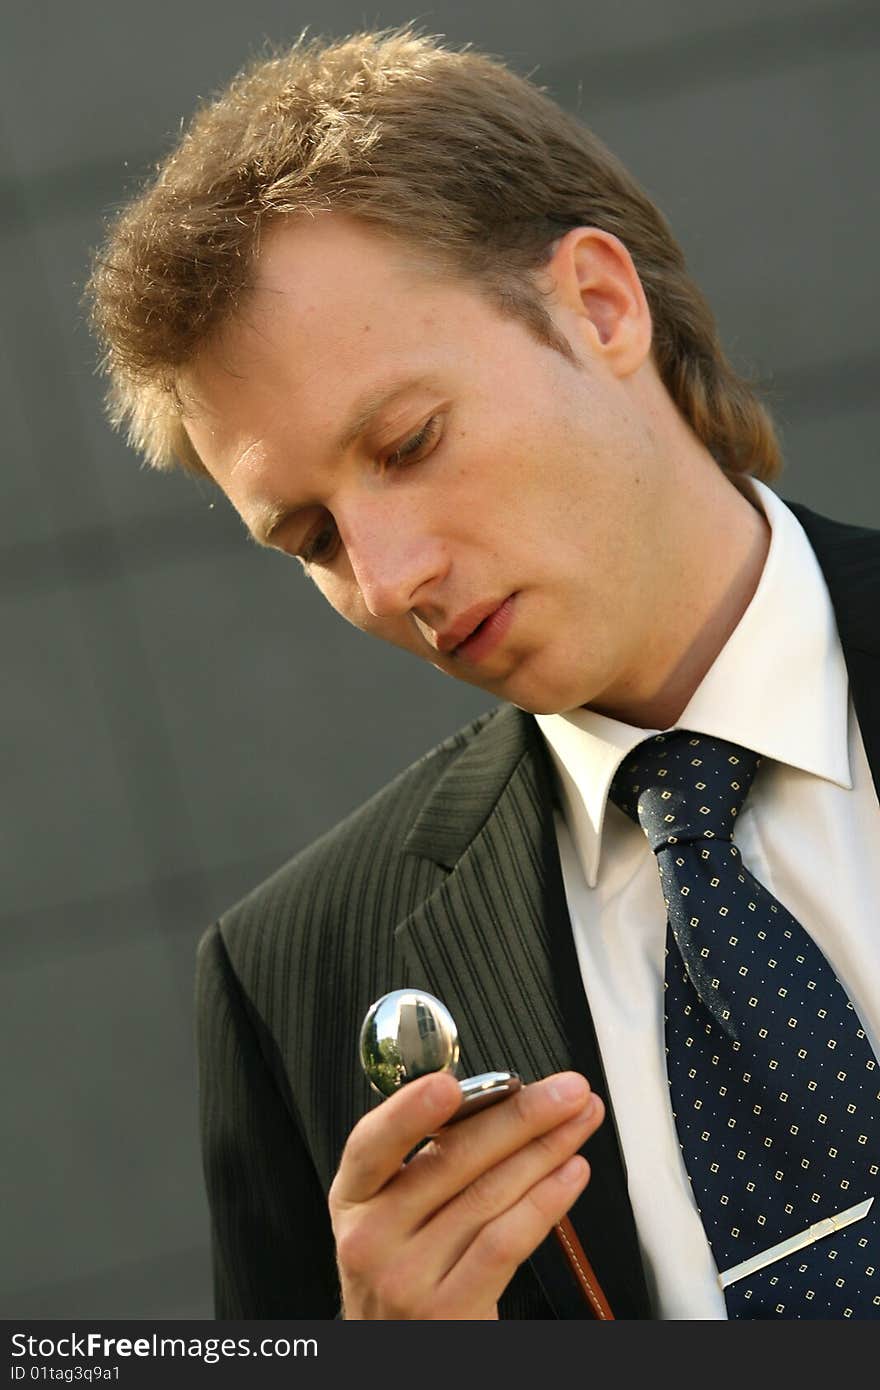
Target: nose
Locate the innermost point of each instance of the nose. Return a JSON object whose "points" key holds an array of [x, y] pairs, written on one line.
{"points": [[395, 559]]}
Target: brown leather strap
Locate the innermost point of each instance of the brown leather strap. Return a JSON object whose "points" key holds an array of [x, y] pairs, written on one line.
{"points": [[582, 1270]]}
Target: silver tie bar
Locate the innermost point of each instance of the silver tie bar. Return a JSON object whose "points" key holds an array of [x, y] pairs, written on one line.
{"points": [[817, 1231]]}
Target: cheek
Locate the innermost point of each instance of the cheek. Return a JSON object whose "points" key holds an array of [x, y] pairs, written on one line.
{"points": [[342, 594]]}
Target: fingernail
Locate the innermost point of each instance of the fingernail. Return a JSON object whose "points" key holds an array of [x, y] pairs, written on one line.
{"points": [[572, 1171], [432, 1094], [569, 1087]]}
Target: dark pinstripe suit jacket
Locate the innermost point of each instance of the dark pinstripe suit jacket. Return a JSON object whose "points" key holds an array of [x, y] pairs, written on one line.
{"points": [[448, 879]]}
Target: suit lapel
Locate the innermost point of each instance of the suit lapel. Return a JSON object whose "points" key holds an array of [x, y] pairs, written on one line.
{"points": [[483, 938], [494, 942]]}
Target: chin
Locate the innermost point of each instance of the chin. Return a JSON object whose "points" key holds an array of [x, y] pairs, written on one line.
{"points": [[526, 690], [543, 707], [549, 696], [548, 702]]}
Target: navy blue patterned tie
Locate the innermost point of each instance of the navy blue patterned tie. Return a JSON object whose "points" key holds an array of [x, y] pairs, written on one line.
{"points": [[773, 1084]]}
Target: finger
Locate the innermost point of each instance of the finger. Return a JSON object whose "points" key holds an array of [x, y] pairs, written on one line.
{"points": [[381, 1140], [424, 1260], [457, 1156], [406, 1285], [480, 1277], [449, 1234]]}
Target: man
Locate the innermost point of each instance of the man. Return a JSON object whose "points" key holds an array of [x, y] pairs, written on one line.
{"points": [[429, 337]]}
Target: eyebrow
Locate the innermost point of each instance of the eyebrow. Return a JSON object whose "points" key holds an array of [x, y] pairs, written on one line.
{"points": [[269, 517]]}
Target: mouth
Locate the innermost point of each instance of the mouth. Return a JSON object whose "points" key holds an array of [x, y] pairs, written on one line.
{"points": [[478, 631], [464, 626]]}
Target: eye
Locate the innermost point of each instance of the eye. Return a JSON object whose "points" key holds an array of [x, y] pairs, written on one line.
{"points": [[321, 545], [417, 446]]}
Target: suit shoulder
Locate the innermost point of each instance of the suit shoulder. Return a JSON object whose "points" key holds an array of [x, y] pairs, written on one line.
{"points": [[362, 846], [825, 531]]}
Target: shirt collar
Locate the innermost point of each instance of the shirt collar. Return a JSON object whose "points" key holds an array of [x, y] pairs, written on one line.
{"points": [[779, 686]]}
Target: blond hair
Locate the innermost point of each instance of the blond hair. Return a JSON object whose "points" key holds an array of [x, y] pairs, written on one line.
{"points": [[449, 151]]}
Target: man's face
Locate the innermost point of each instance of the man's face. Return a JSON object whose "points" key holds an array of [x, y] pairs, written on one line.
{"points": [[451, 484]]}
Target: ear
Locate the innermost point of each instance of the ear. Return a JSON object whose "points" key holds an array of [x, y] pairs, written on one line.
{"points": [[598, 290]]}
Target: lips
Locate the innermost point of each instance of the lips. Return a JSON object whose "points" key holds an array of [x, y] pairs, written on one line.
{"points": [[483, 629], [465, 626]]}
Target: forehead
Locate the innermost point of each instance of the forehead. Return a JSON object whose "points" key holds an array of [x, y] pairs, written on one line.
{"points": [[329, 285], [335, 313]]}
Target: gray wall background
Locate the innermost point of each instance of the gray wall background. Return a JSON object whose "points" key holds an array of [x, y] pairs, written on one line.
{"points": [[179, 713]]}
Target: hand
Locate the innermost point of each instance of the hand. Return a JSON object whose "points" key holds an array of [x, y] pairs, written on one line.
{"points": [[442, 1235]]}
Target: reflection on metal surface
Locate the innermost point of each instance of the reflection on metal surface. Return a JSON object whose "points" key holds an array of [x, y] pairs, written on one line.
{"points": [[407, 1034], [819, 1229], [479, 1091]]}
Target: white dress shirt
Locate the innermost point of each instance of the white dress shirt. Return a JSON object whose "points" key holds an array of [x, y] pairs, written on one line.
{"points": [[809, 831]]}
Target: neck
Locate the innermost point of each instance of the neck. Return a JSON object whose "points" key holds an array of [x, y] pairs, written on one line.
{"points": [[723, 540]]}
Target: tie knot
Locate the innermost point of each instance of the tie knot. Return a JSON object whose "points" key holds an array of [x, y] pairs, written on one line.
{"points": [[683, 786]]}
